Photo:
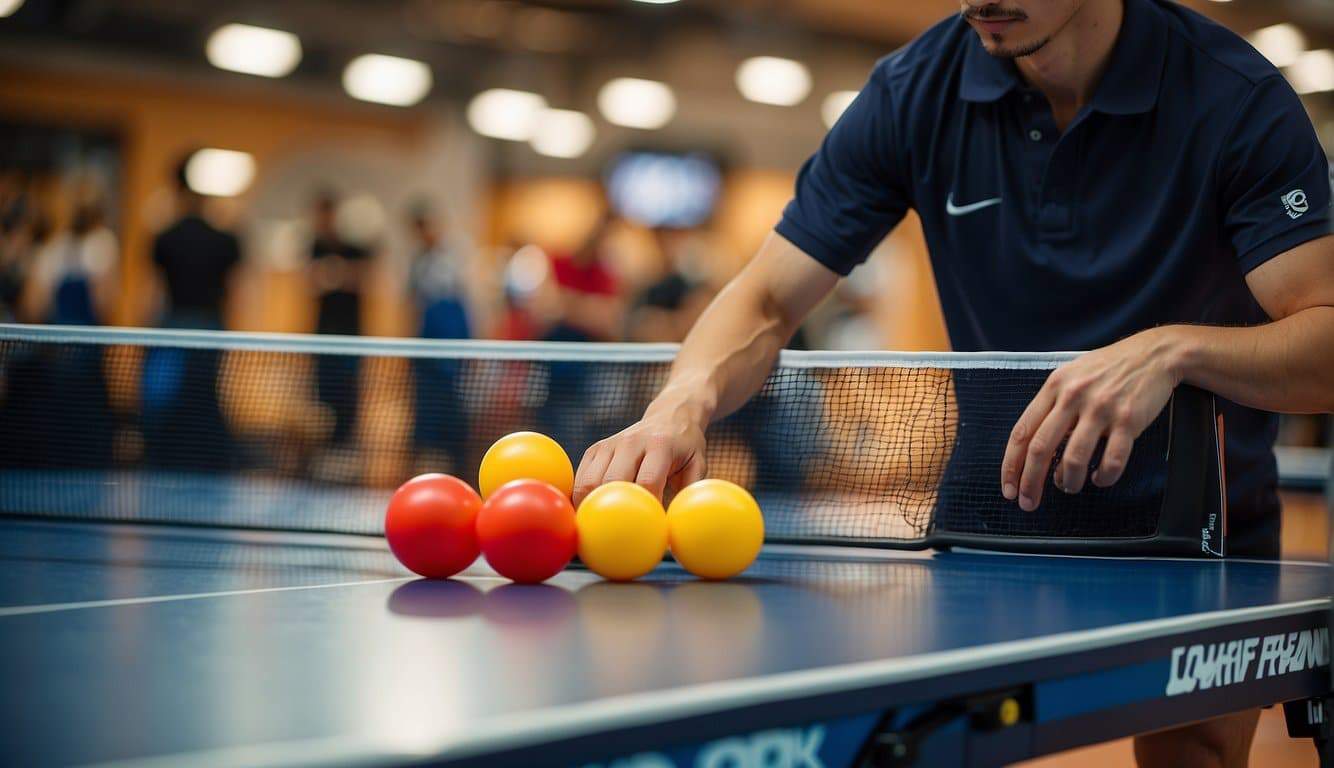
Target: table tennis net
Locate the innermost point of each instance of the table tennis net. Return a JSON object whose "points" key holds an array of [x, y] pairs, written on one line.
{"points": [[313, 433]]}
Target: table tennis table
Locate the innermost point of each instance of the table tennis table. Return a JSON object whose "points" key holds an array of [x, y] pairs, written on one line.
{"points": [[145, 645]]}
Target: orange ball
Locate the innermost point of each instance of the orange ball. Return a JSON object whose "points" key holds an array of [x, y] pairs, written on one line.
{"points": [[622, 531], [525, 456], [715, 529]]}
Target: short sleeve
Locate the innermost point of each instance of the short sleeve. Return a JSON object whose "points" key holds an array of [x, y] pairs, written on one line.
{"points": [[1274, 176], [853, 190]]}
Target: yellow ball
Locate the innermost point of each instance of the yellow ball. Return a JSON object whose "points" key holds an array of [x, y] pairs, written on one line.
{"points": [[715, 529], [525, 456], [622, 531]]}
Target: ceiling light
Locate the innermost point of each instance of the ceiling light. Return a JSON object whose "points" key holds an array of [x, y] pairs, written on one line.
{"points": [[562, 133], [636, 103], [8, 7], [387, 80], [834, 105], [771, 80], [1281, 43], [1312, 72], [253, 50], [219, 172], [502, 113]]}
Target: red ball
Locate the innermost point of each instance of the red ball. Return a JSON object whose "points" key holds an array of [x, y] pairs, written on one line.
{"points": [[526, 529], [431, 525]]}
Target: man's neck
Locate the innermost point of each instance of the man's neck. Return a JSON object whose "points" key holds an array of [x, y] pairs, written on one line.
{"points": [[1067, 69]]}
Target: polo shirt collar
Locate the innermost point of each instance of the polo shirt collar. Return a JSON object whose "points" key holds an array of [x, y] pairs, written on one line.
{"points": [[1129, 86], [985, 77], [1134, 74]]}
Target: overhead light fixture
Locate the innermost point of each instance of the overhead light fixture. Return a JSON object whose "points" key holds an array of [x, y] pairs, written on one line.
{"points": [[656, 2], [773, 80], [8, 7], [562, 133], [636, 103], [219, 172], [503, 113], [1281, 43], [388, 80], [1312, 72], [835, 104], [253, 50]]}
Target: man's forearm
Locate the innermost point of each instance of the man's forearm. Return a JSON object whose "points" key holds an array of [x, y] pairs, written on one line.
{"points": [[733, 346], [726, 356], [1283, 366]]}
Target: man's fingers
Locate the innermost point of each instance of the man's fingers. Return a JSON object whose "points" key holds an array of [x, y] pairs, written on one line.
{"points": [[1012, 465], [1079, 452], [1041, 448], [693, 471], [673, 485], [655, 468], [1114, 457], [625, 462], [591, 470]]}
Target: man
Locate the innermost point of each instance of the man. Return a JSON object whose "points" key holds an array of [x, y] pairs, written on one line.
{"points": [[435, 282], [591, 305], [591, 297], [72, 279], [666, 308], [196, 263], [1115, 175], [337, 273]]}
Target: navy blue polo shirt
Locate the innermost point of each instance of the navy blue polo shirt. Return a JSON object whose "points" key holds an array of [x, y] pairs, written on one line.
{"points": [[1193, 164]]}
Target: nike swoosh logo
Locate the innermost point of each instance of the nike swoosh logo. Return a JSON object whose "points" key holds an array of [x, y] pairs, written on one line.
{"points": [[960, 210]]}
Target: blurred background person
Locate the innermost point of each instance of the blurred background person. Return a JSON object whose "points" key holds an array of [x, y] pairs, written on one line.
{"points": [[665, 309], [436, 283], [591, 307], [72, 280], [196, 263], [16, 245], [528, 304], [337, 276], [529, 298], [592, 303], [436, 279]]}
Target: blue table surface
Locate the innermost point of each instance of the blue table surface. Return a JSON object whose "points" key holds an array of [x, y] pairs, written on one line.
{"points": [[120, 641]]}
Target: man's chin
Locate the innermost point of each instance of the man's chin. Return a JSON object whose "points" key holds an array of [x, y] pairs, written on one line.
{"points": [[1006, 49]]}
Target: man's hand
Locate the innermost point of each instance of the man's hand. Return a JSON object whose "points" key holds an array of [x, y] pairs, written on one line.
{"points": [[1110, 394], [666, 446]]}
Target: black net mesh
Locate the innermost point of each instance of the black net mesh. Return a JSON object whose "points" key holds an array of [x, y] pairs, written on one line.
{"points": [[288, 439]]}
